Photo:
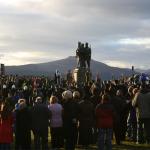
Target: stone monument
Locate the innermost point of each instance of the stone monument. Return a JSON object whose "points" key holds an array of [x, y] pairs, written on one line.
{"points": [[82, 73]]}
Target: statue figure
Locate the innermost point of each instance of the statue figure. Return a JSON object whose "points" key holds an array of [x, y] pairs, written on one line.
{"points": [[88, 55], [80, 54], [82, 73], [83, 55]]}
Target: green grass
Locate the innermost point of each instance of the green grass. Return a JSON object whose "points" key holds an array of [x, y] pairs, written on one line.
{"points": [[125, 146]]}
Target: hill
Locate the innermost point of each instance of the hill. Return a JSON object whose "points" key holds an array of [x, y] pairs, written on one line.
{"points": [[63, 65]]}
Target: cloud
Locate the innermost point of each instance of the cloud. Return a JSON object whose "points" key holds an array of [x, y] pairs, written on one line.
{"points": [[117, 30], [20, 58], [115, 63], [137, 41]]}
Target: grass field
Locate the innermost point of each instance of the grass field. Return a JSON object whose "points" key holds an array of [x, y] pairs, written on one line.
{"points": [[124, 146]]}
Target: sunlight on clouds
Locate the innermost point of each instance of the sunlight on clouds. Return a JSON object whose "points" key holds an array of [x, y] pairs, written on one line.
{"points": [[138, 41], [21, 58], [25, 54], [37, 6], [15, 2], [115, 63]]}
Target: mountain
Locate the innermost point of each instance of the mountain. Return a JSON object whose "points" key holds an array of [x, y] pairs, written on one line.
{"points": [[147, 71], [63, 65], [141, 70]]}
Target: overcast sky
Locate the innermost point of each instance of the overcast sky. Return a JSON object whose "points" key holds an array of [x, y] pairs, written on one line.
{"points": [[34, 31]]}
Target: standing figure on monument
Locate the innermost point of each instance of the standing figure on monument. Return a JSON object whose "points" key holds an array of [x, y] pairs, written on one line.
{"points": [[80, 54], [88, 55]]}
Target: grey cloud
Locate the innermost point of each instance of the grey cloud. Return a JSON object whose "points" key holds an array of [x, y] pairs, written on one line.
{"points": [[1, 56], [101, 22]]}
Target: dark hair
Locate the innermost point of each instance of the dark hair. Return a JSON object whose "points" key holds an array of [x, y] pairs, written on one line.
{"points": [[5, 110], [105, 98]]}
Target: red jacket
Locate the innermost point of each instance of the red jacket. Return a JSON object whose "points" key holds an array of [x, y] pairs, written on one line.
{"points": [[6, 130], [104, 116]]}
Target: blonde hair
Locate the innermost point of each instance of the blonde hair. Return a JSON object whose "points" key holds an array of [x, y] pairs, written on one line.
{"points": [[134, 91], [53, 99]]}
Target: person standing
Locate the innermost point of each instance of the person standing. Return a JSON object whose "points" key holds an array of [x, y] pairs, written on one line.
{"points": [[86, 121], [104, 121], [56, 123], [141, 102], [70, 120], [40, 116], [6, 126], [23, 126]]}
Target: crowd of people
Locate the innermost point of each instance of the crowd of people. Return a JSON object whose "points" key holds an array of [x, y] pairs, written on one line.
{"points": [[73, 116]]}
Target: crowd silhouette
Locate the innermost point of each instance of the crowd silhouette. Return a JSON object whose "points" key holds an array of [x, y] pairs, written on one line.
{"points": [[73, 116]]}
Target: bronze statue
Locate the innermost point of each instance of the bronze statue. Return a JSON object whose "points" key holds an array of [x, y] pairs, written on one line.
{"points": [[88, 55], [83, 55]]}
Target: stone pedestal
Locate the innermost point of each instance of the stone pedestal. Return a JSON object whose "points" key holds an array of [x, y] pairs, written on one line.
{"points": [[81, 76]]}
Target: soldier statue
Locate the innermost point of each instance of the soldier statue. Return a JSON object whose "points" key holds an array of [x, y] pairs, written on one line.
{"points": [[80, 54], [87, 55], [82, 73], [83, 55]]}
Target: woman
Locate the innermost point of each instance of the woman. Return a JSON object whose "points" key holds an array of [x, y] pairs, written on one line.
{"points": [[6, 129], [56, 122], [104, 121]]}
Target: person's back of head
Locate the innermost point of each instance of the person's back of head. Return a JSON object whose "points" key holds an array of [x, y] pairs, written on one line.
{"points": [[21, 104], [76, 95], [38, 100], [53, 99], [143, 88], [105, 98], [5, 110], [67, 95], [119, 92]]}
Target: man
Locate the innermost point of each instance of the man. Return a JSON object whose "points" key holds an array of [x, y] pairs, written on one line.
{"points": [[40, 115], [142, 103]]}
